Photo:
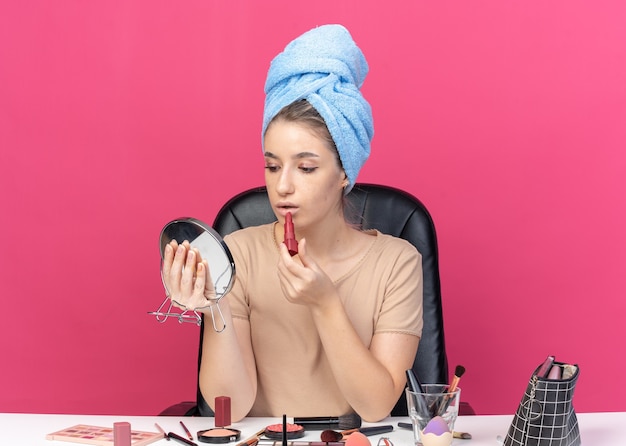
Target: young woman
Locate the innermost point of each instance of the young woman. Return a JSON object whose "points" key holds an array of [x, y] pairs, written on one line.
{"points": [[331, 330]]}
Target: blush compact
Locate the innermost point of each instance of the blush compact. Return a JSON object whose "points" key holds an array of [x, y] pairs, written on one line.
{"points": [[275, 431], [218, 435]]}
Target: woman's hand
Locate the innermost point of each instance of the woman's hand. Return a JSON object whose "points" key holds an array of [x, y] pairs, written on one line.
{"points": [[303, 282], [187, 277]]}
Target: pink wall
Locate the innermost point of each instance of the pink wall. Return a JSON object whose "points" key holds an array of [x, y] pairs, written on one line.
{"points": [[508, 119]]}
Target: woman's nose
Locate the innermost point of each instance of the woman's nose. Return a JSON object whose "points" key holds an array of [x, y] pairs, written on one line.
{"points": [[284, 184]]}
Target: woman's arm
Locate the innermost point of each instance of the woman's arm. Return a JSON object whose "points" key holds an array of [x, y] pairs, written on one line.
{"points": [[371, 379], [227, 366]]}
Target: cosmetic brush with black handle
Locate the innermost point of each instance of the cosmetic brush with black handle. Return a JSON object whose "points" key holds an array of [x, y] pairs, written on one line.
{"points": [[342, 423], [412, 382]]}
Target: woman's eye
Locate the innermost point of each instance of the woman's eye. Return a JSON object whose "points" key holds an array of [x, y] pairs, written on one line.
{"points": [[271, 167], [306, 169]]}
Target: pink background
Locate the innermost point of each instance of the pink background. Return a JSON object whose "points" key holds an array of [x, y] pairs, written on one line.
{"points": [[508, 119]]}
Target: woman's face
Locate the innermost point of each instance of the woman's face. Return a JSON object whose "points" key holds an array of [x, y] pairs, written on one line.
{"points": [[302, 174]]}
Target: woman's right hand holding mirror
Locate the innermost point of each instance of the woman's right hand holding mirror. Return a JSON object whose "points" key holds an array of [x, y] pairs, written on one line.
{"points": [[187, 277]]}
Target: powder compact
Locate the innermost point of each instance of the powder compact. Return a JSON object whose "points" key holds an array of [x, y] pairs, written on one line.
{"points": [[219, 435]]}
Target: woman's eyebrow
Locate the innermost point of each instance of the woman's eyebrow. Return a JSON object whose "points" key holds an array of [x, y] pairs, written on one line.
{"points": [[297, 155], [306, 155]]}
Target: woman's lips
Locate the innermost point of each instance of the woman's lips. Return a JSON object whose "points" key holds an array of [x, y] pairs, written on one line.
{"points": [[283, 209]]}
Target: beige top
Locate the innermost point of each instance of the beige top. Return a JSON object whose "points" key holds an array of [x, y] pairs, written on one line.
{"points": [[382, 293]]}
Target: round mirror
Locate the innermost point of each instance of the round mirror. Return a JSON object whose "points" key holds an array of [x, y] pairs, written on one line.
{"points": [[212, 248]]}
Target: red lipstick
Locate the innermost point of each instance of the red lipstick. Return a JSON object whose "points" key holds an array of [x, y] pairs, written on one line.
{"points": [[290, 236]]}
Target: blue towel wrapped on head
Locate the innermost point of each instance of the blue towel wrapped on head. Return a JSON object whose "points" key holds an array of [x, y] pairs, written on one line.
{"points": [[325, 67]]}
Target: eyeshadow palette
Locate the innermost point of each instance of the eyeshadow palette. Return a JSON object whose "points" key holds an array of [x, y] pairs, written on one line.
{"points": [[103, 436]]}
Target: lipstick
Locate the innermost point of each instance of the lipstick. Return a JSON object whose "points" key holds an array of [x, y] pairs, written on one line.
{"points": [[290, 236]]}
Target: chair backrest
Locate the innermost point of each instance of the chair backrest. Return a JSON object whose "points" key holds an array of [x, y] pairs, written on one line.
{"points": [[391, 211]]}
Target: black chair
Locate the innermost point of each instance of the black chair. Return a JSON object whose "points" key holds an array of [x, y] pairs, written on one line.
{"points": [[389, 210]]}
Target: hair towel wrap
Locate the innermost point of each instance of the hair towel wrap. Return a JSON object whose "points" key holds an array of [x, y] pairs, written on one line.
{"points": [[325, 67]]}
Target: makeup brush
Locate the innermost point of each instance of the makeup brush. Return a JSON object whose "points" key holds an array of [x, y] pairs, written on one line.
{"points": [[162, 431], [254, 439], [330, 435], [458, 372], [343, 422], [412, 382]]}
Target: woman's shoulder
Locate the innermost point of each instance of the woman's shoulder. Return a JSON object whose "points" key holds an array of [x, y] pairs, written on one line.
{"points": [[386, 243]]}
